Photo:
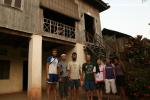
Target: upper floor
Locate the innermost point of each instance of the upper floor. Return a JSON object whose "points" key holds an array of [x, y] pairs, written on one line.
{"points": [[67, 20]]}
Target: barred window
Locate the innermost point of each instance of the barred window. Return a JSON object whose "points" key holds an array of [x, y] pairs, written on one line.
{"points": [[4, 69]]}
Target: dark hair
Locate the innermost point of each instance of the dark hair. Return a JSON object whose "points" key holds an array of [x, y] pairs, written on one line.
{"points": [[115, 58], [54, 50], [88, 54], [74, 53]]}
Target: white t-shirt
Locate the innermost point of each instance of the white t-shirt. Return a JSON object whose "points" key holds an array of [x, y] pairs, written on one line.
{"points": [[53, 66]]}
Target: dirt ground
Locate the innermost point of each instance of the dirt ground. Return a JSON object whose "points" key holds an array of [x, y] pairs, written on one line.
{"points": [[23, 96]]}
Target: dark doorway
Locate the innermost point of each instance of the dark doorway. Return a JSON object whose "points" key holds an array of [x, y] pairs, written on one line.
{"points": [[89, 27], [25, 75]]}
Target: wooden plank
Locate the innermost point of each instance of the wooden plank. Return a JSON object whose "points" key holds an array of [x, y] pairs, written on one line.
{"points": [[64, 7], [21, 20]]}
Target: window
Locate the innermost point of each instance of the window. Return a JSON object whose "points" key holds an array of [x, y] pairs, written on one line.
{"points": [[18, 3], [4, 69], [14, 3], [8, 2]]}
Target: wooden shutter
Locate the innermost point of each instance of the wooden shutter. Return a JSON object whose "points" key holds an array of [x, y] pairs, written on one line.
{"points": [[17, 3], [8, 2]]}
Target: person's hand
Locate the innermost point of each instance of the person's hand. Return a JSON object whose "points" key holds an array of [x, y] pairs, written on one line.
{"points": [[47, 78], [82, 83], [68, 77], [95, 82]]}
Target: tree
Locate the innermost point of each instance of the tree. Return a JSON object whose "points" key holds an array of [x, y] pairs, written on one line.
{"points": [[138, 69]]}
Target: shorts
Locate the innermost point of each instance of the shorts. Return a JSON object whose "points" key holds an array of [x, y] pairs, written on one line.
{"points": [[120, 80], [74, 83], [53, 78], [100, 85], [89, 85], [110, 85]]}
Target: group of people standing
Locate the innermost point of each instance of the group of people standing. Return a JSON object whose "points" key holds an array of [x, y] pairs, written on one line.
{"points": [[69, 76]]}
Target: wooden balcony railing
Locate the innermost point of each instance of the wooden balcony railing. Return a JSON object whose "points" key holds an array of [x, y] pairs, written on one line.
{"points": [[58, 30]]}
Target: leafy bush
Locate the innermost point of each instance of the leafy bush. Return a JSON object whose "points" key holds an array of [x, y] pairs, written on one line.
{"points": [[138, 81]]}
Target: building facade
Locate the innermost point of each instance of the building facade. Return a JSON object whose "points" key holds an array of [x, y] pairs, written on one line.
{"points": [[29, 29]]}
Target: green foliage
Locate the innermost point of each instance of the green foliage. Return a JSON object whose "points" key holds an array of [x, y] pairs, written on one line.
{"points": [[138, 68], [137, 80]]}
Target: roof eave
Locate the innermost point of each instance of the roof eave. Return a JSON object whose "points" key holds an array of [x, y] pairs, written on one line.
{"points": [[98, 4]]}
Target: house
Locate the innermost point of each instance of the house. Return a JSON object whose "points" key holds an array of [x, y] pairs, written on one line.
{"points": [[116, 42], [29, 29]]}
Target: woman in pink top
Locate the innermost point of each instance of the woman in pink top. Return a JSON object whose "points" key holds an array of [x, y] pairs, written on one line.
{"points": [[99, 77]]}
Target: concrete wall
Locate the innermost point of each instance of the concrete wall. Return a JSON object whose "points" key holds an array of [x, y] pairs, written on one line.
{"points": [[14, 83], [85, 8]]}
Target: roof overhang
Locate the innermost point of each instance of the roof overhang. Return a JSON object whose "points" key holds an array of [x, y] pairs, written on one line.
{"points": [[108, 32], [98, 4]]}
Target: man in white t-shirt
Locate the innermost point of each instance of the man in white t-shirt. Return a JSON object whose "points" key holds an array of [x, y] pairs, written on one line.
{"points": [[51, 73]]}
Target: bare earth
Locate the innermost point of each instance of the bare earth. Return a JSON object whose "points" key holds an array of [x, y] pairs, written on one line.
{"points": [[23, 96]]}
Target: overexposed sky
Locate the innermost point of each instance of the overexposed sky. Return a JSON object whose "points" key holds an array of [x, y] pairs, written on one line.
{"points": [[127, 16]]}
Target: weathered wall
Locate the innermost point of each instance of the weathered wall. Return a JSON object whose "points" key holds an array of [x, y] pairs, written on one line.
{"points": [[23, 20], [85, 8], [14, 83]]}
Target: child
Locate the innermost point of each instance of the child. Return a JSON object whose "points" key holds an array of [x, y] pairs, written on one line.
{"points": [[110, 84], [99, 78], [88, 76]]}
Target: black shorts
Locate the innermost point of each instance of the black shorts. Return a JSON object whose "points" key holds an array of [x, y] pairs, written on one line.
{"points": [[75, 84], [120, 80], [100, 85]]}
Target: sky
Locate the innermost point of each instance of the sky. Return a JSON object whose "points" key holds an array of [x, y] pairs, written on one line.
{"points": [[127, 16]]}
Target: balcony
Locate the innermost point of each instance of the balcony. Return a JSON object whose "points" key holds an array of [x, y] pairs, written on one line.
{"points": [[58, 30]]}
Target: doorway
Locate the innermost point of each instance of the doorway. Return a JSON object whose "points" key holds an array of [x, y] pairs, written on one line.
{"points": [[25, 75], [89, 27]]}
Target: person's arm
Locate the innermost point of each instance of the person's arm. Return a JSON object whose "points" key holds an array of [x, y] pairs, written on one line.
{"points": [[68, 70], [80, 72], [114, 70], [58, 68], [47, 69], [83, 72], [95, 71], [104, 72], [122, 66]]}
